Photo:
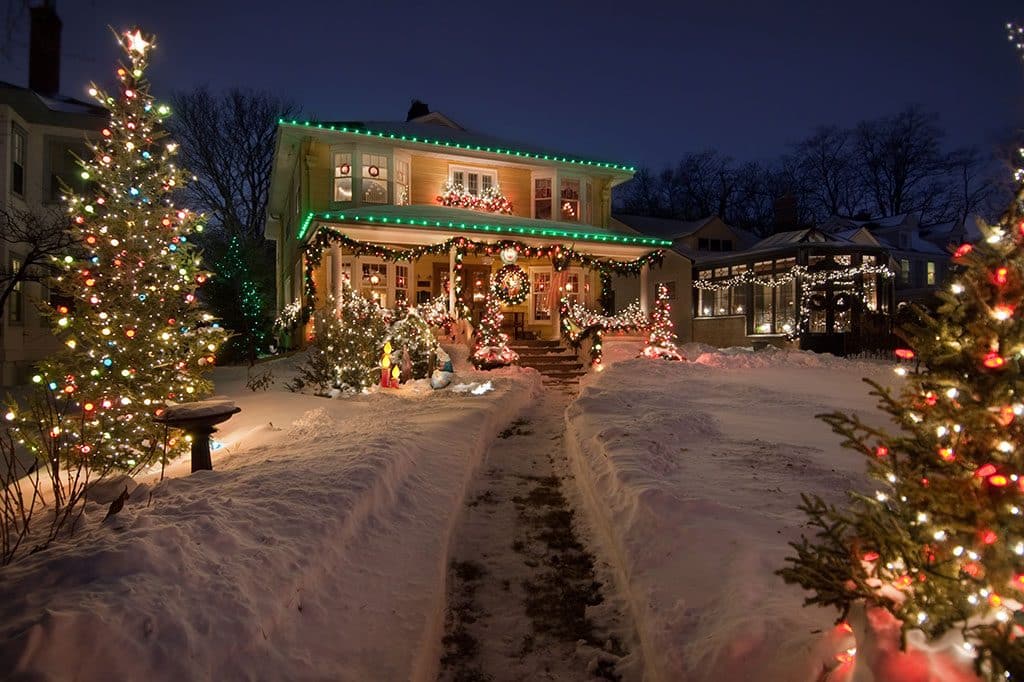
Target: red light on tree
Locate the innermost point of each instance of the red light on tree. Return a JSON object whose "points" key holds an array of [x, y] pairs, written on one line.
{"points": [[993, 360], [904, 354], [962, 250]]}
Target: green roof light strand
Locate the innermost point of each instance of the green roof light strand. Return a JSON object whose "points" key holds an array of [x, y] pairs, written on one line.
{"points": [[484, 227], [458, 145]]}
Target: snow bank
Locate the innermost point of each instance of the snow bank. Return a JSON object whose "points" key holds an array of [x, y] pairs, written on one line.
{"points": [[691, 473], [316, 549]]}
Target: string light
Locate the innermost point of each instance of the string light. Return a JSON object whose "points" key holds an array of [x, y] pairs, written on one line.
{"points": [[135, 339]]}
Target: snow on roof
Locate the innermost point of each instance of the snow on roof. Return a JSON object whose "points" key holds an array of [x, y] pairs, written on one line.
{"points": [[666, 228], [51, 109], [430, 132], [797, 237]]}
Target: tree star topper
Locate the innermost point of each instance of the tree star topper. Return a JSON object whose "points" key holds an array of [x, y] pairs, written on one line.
{"points": [[136, 43]]}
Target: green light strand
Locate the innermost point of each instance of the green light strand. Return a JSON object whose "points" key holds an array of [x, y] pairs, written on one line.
{"points": [[481, 227], [458, 145]]}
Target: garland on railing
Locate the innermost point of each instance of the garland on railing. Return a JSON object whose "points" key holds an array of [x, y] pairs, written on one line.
{"points": [[561, 258], [490, 199], [578, 323]]}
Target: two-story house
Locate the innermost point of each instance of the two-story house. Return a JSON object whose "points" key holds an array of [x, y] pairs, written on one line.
{"points": [[922, 265], [41, 132], [408, 211]]}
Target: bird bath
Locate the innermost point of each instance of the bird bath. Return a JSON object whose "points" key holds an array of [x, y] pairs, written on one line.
{"points": [[199, 420]]}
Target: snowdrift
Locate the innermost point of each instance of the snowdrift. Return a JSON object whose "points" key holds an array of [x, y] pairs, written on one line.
{"points": [[316, 549], [691, 473]]}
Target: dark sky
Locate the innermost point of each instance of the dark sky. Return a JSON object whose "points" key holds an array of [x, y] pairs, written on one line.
{"points": [[629, 81]]}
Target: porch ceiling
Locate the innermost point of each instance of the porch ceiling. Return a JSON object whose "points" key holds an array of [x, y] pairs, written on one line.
{"points": [[426, 224]]}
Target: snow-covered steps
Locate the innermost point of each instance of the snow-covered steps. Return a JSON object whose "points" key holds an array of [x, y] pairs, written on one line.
{"points": [[550, 358]]}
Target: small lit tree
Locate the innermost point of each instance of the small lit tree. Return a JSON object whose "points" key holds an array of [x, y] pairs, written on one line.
{"points": [[135, 336], [661, 341], [491, 348]]}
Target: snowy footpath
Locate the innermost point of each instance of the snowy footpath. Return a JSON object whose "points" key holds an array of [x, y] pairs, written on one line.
{"points": [[316, 550], [527, 598], [691, 473]]}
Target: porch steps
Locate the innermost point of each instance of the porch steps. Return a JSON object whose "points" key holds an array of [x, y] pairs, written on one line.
{"points": [[550, 358]]}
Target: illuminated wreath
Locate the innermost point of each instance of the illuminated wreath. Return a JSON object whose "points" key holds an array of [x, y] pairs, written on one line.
{"points": [[374, 171], [511, 284], [842, 302], [817, 301]]}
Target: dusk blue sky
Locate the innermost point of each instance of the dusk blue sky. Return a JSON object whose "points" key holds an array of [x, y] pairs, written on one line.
{"points": [[639, 82]]}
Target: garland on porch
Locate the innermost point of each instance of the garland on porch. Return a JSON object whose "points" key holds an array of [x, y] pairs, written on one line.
{"points": [[561, 258], [579, 322]]}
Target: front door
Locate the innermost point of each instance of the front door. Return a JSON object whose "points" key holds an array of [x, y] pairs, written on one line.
{"points": [[476, 280]]}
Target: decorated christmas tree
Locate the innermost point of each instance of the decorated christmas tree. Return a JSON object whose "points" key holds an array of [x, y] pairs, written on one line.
{"points": [[491, 348], [134, 335], [661, 341], [940, 543], [412, 337]]}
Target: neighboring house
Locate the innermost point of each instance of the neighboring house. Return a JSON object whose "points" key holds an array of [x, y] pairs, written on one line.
{"points": [[823, 291], [692, 241], [350, 190], [40, 131], [921, 262]]}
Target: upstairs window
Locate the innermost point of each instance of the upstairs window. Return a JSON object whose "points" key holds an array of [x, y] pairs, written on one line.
{"points": [[569, 198], [16, 303], [475, 181], [904, 271], [65, 172], [930, 273], [375, 179], [542, 198], [402, 182], [343, 176], [17, 160]]}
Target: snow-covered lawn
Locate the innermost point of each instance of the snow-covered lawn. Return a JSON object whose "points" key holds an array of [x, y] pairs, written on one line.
{"points": [[316, 549], [691, 473]]}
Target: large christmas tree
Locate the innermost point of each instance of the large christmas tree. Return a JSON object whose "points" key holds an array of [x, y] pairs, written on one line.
{"points": [[940, 543], [135, 337]]}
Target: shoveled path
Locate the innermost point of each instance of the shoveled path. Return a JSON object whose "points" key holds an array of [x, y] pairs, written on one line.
{"points": [[527, 600]]}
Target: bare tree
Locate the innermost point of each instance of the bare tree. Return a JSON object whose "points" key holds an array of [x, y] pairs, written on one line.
{"points": [[228, 141], [900, 161], [826, 167], [38, 237]]}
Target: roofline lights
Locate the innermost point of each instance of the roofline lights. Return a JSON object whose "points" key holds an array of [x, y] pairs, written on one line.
{"points": [[481, 227], [457, 145]]}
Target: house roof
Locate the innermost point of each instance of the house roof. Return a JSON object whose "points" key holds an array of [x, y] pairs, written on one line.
{"points": [[448, 219], [447, 137], [666, 228], [55, 110], [791, 237]]}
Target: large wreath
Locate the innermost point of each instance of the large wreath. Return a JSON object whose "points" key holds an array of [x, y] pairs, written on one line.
{"points": [[511, 284]]}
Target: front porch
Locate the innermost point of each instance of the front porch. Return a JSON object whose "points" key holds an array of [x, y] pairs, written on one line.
{"points": [[398, 264]]}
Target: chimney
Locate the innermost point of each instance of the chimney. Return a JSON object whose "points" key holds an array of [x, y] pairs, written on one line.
{"points": [[44, 49], [417, 109], [785, 215]]}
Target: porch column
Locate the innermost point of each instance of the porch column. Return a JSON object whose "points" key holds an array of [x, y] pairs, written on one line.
{"points": [[451, 283], [336, 271], [644, 296]]}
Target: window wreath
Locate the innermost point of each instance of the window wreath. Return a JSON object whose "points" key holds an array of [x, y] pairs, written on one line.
{"points": [[511, 284]]}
